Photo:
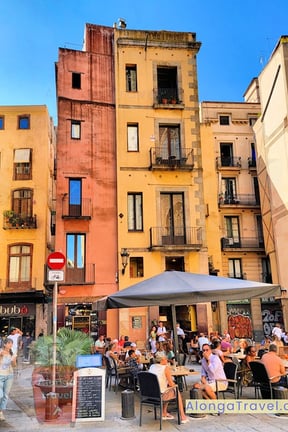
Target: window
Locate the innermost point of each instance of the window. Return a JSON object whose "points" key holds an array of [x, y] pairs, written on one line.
{"points": [[169, 140], [76, 80], [252, 121], [256, 190], [224, 120], [135, 212], [259, 230], [232, 230], [136, 267], [22, 164], [1, 122], [22, 202], [75, 194], [167, 83], [75, 253], [132, 137], [226, 150], [266, 270], [24, 122], [235, 268], [20, 261], [75, 129], [229, 190], [172, 219], [131, 78]]}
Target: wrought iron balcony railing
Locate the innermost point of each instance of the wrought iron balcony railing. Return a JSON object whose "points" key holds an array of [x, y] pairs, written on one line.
{"points": [[76, 276], [178, 236], [248, 200], [162, 159], [227, 162], [242, 243], [251, 162], [18, 221], [76, 211]]}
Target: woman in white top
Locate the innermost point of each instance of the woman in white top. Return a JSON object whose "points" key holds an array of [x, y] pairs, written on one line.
{"points": [[167, 386], [7, 360]]}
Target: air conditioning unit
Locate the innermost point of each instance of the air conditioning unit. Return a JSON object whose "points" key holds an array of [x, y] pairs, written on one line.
{"points": [[230, 241]]}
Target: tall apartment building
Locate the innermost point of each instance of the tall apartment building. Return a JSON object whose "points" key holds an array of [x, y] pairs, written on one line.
{"points": [[86, 211], [233, 220], [27, 152], [128, 113], [271, 90]]}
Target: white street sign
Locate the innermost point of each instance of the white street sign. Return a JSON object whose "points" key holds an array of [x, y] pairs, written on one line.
{"points": [[55, 275]]}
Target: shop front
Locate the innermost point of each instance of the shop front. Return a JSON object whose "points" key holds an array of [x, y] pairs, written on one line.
{"points": [[20, 315]]}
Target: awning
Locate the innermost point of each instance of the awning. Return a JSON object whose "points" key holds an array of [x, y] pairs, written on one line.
{"points": [[22, 155]]}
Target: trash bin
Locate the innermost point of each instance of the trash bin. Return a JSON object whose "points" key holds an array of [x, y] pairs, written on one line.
{"points": [[127, 399], [196, 394], [52, 410]]}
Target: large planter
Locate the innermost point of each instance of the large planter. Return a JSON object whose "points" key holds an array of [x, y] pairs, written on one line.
{"points": [[64, 390]]}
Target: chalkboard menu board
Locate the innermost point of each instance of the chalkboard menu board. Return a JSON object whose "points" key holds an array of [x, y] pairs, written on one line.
{"points": [[89, 395]]}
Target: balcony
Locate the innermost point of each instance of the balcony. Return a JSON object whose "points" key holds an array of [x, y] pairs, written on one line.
{"points": [[177, 238], [239, 200], [228, 163], [251, 164], [76, 211], [244, 243], [12, 220], [160, 159], [169, 98], [75, 276]]}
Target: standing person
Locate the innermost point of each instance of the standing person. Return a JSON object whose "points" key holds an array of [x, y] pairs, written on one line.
{"points": [[26, 342], [166, 383], [181, 337], [7, 361], [211, 371], [16, 336], [161, 332], [152, 339], [277, 332]]}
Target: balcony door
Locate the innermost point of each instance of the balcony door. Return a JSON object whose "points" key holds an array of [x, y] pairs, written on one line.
{"points": [[229, 190], [75, 197], [172, 218], [169, 139], [75, 245], [232, 230]]}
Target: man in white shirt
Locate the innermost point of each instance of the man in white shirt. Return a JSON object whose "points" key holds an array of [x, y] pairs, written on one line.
{"points": [[277, 332], [202, 340], [16, 336], [161, 332]]}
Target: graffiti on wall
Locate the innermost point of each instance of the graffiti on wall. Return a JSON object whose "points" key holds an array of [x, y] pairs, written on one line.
{"points": [[239, 326], [271, 316]]}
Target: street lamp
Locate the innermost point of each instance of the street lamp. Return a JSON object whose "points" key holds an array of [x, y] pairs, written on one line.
{"points": [[124, 257]]}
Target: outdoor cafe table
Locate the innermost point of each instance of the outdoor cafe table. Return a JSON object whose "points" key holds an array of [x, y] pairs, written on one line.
{"points": [[180, 372]]}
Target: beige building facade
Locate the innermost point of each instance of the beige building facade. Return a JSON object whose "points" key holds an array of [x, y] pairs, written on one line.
{"points": [[27, 152], [235, 238]]}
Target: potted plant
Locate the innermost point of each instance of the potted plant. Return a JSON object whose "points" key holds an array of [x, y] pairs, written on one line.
{"points": [[69, 344]]}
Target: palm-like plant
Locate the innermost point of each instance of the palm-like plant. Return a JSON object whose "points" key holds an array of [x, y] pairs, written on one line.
{"points": [[69, 344]]}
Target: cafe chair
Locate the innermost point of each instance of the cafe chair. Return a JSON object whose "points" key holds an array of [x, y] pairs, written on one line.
{"points": [[231, 372], [111, 373], [150, 395], [261, 381]]}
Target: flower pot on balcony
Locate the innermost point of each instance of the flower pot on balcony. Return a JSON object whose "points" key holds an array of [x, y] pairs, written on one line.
{"points": [[164, 101]]}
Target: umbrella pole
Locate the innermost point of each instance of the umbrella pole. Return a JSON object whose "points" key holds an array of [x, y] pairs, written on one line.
{"points": [[175, 336]]}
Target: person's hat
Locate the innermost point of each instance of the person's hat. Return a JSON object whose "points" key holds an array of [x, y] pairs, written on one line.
{"points": [[133, 344]]}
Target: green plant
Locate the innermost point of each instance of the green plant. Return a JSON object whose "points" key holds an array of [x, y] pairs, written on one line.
{"points": [[69, 344]]}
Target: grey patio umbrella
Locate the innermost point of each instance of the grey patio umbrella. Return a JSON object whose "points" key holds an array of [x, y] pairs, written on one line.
{"points": [[172, 288]]}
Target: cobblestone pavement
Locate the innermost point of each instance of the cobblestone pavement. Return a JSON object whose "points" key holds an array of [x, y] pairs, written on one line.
{"points": [[20, 415]]}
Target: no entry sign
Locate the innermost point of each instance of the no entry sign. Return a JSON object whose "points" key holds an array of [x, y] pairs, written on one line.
{"points": [[56, 261]]}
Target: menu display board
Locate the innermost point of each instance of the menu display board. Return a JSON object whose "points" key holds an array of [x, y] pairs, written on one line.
{"points": [[89, 395]]}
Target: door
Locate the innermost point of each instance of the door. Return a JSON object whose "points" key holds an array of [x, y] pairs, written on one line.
{"points": [[172, 218], [75, 272], [75, 192]]}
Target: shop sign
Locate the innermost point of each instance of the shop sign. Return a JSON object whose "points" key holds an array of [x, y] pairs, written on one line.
{"points": [[14, 310]]}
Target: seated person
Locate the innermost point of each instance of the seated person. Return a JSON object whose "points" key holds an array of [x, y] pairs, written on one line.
{"points": [[133, 362], [216, 343], [212, 370], [274, 366], [99, 345], [245, 370], [168, 348], [167, 386], [193, 348], [226, 346]]}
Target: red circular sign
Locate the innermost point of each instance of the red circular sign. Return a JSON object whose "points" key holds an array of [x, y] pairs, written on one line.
{"points": [[56, 260]]}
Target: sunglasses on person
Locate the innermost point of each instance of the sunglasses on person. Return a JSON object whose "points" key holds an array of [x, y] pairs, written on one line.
{"points": [[206, 349]]}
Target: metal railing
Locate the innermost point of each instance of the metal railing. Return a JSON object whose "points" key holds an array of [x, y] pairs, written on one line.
{"points": [[238, 199], [180, 158], [228, 162], [17, 221], [77, 211], [176, 236], [242, 243]]}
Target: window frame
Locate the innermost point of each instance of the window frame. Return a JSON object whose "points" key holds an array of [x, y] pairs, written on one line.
{"points": [[236, 262], [170, 148], [75, 124], [20, 283], [2, 122], [22, 170], [232, 228], [131, 81], [76, 80], [225, 122], [75, 196], [136, 267], [135, 212], [133, 137], [24, 118], [23, 205]]}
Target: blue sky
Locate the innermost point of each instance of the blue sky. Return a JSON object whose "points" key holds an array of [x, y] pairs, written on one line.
{"points": [[237, 39]]}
